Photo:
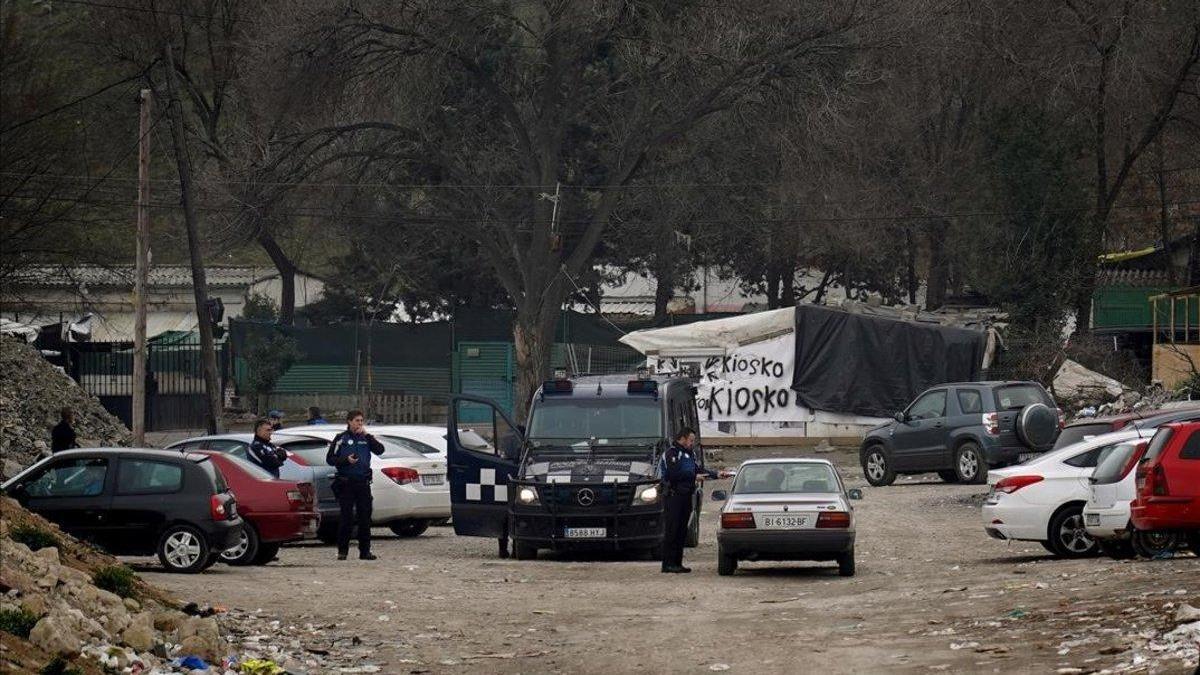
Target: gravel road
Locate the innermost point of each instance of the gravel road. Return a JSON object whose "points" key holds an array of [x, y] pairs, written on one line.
{"points": [[932, 593]]}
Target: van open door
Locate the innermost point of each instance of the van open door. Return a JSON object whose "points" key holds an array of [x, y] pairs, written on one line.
{"points": [[483, 450]]}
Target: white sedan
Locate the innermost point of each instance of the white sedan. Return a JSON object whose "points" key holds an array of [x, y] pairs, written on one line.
{"points": [[786, 509], [1042, 500], [409, 490], [427, 440]]}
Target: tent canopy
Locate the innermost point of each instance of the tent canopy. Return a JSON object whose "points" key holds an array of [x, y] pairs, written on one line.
{"points": [[719, 334]]}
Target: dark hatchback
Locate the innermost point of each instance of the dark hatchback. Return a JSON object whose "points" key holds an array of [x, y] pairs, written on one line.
{"points": [[135, 502]]}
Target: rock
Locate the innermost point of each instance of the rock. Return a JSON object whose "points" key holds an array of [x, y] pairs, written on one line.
{"points": [[133, 605], [202, 637], [138, 637], [49, 554], [1187, 614], [35, 604], [199, 646], [167, 621], [56, 635]]}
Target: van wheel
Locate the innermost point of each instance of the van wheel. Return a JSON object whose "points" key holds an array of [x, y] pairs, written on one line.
{"points": [[726, 564], [1068, 538], [522, 551], [948, 476], [1155, 543], [245, 550], [409, 528], [846, 563], [876, 467], [969, 465], [183, 549]]}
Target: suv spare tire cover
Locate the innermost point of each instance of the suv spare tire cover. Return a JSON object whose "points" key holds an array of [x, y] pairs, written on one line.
{"points": [[1037, 425]]}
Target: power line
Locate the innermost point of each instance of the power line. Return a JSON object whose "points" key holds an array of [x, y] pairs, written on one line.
{"points": [[562, 269], [74, 102], [153, 10]]}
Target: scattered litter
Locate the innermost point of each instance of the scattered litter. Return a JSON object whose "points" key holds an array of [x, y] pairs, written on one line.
{"points": [[956, 589], [543, 611], [190, 663], [956, 646], [1017, 613], [361, 669], [384, 618], [260, 667], [719, 666], [776, 601]]}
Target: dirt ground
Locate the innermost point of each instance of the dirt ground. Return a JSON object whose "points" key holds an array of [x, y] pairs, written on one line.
{"points": [[932, 593]]}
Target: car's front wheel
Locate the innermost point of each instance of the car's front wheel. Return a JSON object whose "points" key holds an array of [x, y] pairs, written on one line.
{"points": [[184, 549], [409, 528], [876, 467], [726, 564], [969, 465], [1155, 543], [245, 551], [845, 563], [1068, 538]]}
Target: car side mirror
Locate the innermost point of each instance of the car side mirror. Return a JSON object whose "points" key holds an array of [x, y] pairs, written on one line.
{"points": [[854, 493], [901, 417], [719, 495]]}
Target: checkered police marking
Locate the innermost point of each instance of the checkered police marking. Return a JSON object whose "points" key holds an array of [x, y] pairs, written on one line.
{"points": [[487, 478]]}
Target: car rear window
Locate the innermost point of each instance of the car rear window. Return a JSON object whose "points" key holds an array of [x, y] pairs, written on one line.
{"points": [[1191, 449], [210, 469], [313, 456], [1080, 432], [1089, 459], [1157, 444], [1015, 396], [1109, 470], [412, 444], [784, 477]]}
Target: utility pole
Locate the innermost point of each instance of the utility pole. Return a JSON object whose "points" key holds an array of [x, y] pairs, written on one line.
{"points": [[212, 389], [143, 263]]}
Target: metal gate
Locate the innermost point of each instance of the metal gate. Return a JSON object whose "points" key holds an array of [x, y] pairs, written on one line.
{"points": [[174, 379], [484, 369]]}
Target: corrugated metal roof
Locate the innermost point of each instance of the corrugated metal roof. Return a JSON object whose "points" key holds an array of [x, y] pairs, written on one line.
{"points": [[162, 276]]}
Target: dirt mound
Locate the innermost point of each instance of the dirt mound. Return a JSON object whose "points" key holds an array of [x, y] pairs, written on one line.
{"points": [[32, 392]]}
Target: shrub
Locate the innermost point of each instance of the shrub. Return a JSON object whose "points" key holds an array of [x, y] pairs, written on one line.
{"points": [[116, 579], [17, 622], [33, 537]]}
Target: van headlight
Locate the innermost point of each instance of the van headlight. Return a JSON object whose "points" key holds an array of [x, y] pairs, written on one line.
{"points": [[647, 494], [527, 495]]}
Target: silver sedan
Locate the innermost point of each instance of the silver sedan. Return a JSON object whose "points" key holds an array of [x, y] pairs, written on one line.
{"points": [[786, 509]]}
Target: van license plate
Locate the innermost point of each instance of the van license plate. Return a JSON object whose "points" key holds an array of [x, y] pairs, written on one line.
{"points": [[433, 479], [585, 532]]}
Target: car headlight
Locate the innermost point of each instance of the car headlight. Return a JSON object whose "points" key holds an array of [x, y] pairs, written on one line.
{"points": [[527, 495], [647, 494]]}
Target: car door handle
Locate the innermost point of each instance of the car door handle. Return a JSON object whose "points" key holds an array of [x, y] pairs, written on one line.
{"points": [[938, 425]]}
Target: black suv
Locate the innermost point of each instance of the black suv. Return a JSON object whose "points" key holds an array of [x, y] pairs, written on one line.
{"points": [[961, 429], [135, 502]]}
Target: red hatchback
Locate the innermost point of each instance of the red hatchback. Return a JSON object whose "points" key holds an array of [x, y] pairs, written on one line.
{"points": [[275, 511], [1166, 512]]}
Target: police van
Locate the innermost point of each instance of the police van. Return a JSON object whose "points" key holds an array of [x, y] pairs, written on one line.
{"points": [[584, 472]]}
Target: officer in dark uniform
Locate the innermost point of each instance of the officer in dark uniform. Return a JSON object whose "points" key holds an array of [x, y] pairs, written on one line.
{"points": [[680, 471], [351, 453], [265, 453]]}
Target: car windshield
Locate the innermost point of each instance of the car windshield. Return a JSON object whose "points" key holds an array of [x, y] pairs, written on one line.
{"points": [[1110, 468], [1081, 432], [1014, 396], [617, 422], [784, 477]]}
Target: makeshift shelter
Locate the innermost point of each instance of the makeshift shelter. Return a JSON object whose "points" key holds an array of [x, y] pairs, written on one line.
{"points": [[817, 371]]}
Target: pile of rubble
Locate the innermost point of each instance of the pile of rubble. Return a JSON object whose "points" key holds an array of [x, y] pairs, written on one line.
{"points": [[32, 394], [1090, 394]]}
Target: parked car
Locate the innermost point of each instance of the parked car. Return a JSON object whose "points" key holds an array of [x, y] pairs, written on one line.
{"points": [[960, 430], [1042, 500], [299, 467], [276, 511], [1166, 512], [1106, 516], [135, 502], [409, 489], [1143, 419], [1106, 513], [786, 509]]}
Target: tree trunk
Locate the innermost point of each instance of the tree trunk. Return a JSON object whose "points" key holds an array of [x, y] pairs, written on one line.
{"points": [[665, 290], [787, 282], [935, 289], [208, 354], [1164, 220], [772, 287], [533, 340], [287, 277], [910, 265]]}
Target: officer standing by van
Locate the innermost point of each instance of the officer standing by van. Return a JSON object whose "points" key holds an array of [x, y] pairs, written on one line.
{"points": [[350, 451], [265, 453], [680, 473]]}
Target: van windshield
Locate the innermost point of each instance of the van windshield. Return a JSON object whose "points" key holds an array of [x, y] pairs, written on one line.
{"points": [[569, 422]]}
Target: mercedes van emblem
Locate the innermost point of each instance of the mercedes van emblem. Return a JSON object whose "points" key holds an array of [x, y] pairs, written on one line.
{"points": [[585, 497]]}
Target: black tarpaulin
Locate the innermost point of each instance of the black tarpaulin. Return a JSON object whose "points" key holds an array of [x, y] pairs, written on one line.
{"points": [[873, 366]]}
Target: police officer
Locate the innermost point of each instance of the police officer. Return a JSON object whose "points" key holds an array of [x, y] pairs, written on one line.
{"points": [[276, 419], [680, 472], [351, 453], [265, 453]]}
